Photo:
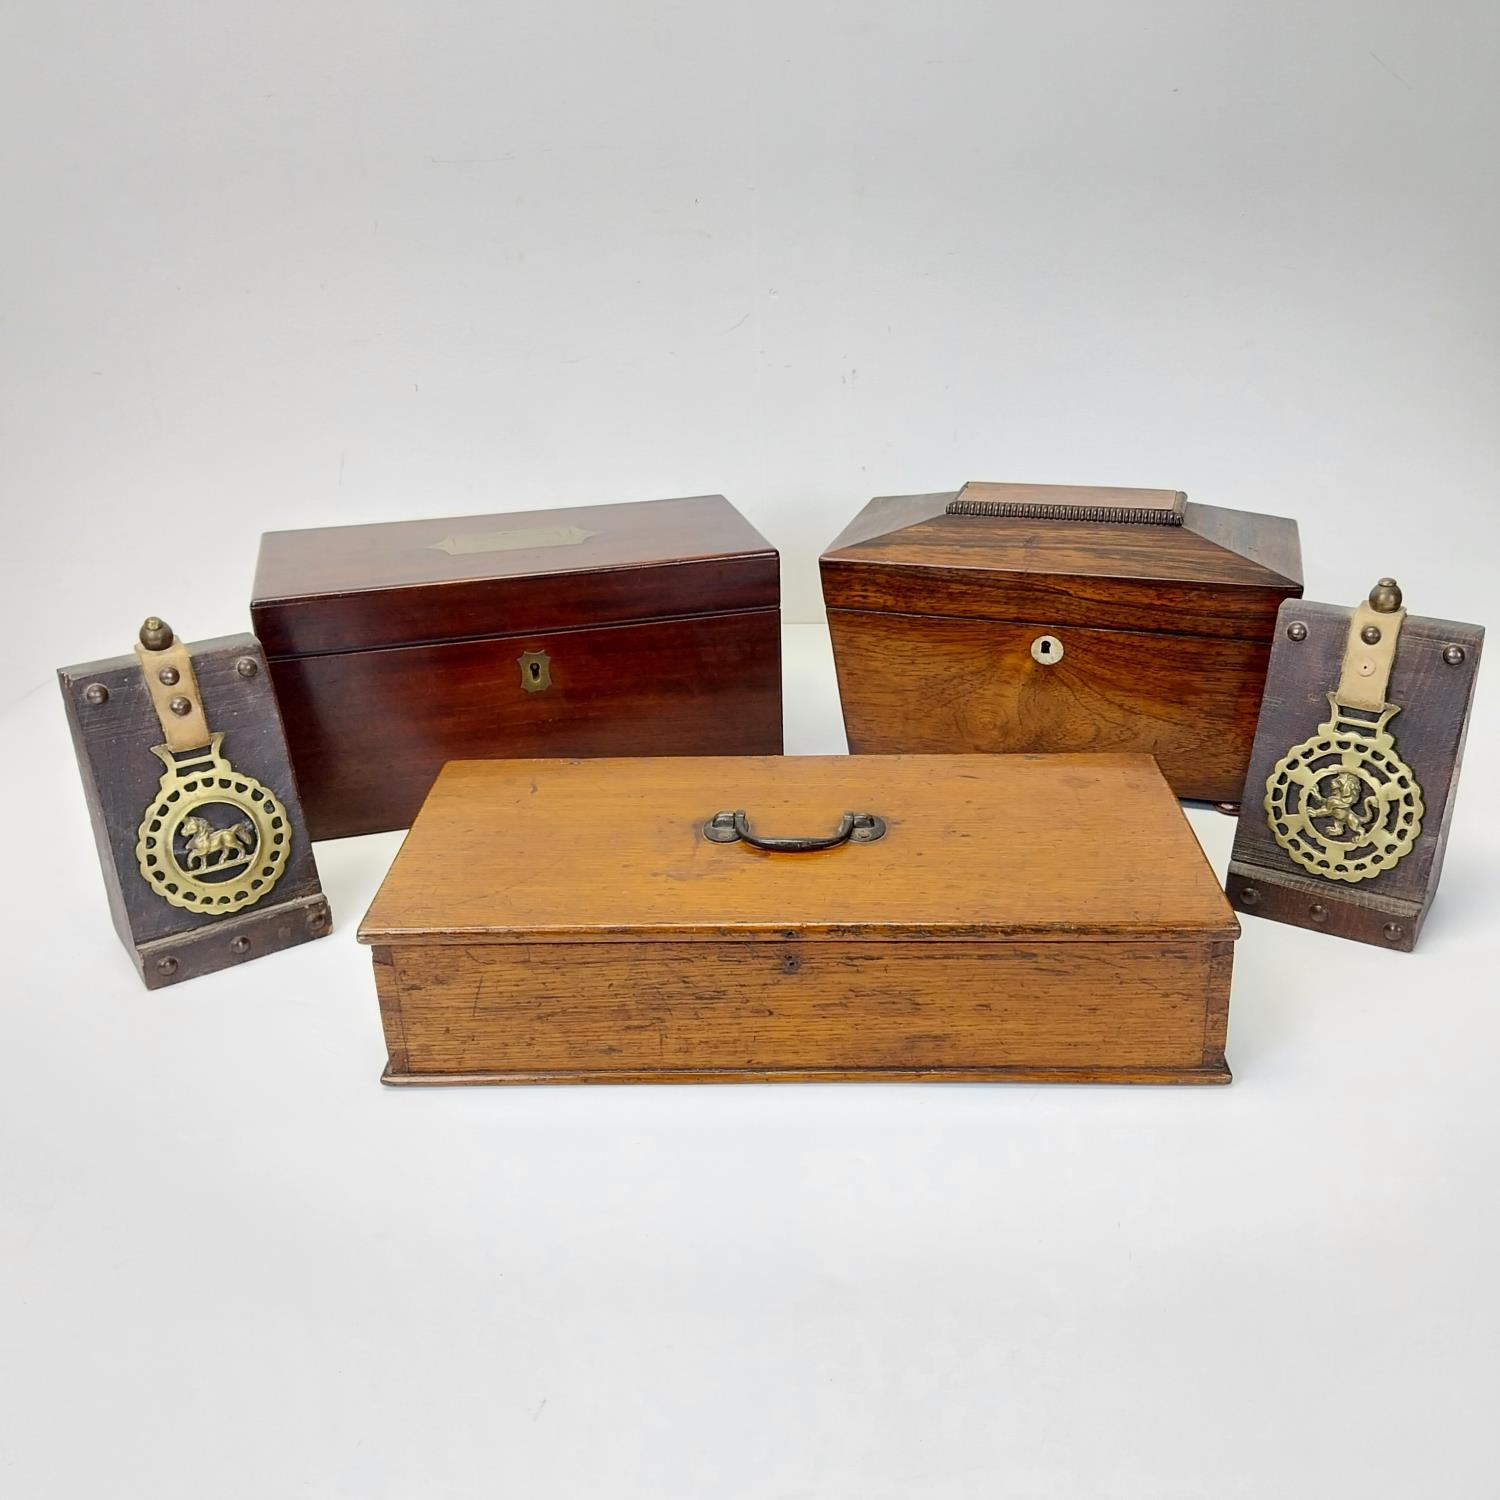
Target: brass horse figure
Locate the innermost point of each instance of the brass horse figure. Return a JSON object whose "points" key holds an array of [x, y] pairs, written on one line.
{"points": [[232, 845]]}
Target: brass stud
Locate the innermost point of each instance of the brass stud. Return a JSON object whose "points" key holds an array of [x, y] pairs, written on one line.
{"points": [[1370, 635], [240, 945], [1319, 913], [96, 693], [1385, 597], [156, 634], [180, 706], [1453, 655], [169, 676], [1393, 932], [1250, 896], [167, 966], [317, 918], [1296, 631], [247, 666]]}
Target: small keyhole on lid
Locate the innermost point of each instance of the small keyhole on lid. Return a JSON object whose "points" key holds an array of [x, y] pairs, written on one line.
{"points": [[536, 671], [1047, 650]]}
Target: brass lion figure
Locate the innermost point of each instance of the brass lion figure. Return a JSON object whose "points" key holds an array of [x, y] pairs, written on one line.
{"points": [[1339, 806], [231, 845]]}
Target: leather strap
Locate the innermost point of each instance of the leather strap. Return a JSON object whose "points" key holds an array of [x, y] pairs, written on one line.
{"points": [[170, 680]]}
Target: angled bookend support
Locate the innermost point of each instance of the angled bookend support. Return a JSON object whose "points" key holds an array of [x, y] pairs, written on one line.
{"points": [[1349, 797], [195, 811]]}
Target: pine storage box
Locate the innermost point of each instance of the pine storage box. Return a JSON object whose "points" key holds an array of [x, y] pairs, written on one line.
{"points": [[964, 917], [1044, 617], [635, 629]]}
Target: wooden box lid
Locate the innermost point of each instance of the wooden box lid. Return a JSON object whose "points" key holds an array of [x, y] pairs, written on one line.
{"points": [[1055, 555], [984, 847], [355, 588]]}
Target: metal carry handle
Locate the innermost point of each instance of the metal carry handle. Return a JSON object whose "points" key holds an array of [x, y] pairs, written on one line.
{"points": [[734, 827]]}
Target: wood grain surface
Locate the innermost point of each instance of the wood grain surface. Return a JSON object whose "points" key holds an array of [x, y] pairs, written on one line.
{"points": [[568, 920], [395, 647], [370, 730], [777, 1008], [359, 588], [1222, 573], [935, 684], [978, 847], [1166, 629]]}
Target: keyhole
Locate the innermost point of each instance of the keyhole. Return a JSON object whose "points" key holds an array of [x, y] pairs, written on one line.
{"points": [[1047, 650], [534, 678]]}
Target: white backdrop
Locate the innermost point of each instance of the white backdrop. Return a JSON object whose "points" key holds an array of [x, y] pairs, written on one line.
{"points": [[303, 263], [300, 263]]}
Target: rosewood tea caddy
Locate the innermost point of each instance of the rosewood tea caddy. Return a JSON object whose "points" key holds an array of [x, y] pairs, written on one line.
{"points": [[647, 628], [956, 917], [1051, 618]]}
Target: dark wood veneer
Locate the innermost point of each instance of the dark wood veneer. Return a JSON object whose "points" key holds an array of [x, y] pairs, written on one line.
{"points": [[392, 653]]}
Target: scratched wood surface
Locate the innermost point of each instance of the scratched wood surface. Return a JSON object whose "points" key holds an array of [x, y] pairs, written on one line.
{"points": [[787, 1007], [550, 920], [1040, 846]]}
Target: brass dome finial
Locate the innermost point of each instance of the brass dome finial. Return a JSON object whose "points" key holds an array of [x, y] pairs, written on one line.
{"points": [[1385, 597], [156, 634]]}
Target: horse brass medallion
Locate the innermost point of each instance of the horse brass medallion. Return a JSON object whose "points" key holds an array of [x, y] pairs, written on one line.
{"points": [[1342, 803], [213, 839]]}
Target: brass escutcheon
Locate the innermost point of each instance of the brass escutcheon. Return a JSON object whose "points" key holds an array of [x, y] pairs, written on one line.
{"points": [[536, 671]]}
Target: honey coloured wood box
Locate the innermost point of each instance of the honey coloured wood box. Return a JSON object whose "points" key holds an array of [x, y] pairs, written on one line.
{"points": [[631, 629], [1045, 617], [906, 917]]}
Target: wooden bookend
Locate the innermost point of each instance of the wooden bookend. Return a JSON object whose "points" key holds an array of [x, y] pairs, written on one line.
{"points": [[1350, 791], [195, 812]]}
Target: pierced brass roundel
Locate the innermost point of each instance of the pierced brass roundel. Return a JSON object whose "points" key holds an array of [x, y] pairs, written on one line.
{"points": [[213, 839], [1343, 804]]}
